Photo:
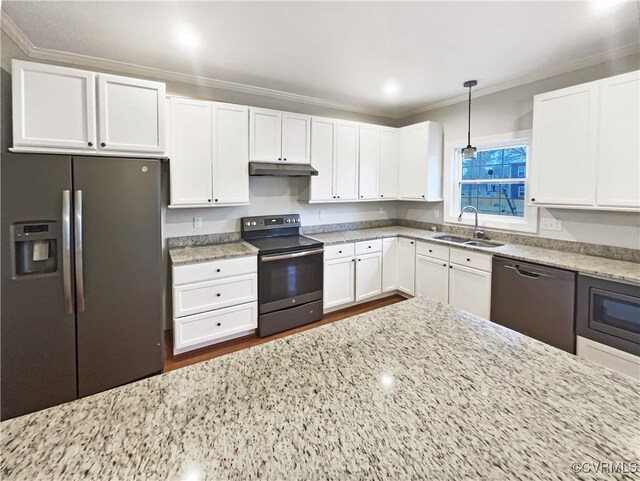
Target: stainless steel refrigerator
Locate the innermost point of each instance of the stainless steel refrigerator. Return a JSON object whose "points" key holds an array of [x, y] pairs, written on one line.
{"points": [[81, 277]]}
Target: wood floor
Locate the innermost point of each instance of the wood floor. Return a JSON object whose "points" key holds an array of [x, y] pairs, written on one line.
{"points": [[172, 362]]}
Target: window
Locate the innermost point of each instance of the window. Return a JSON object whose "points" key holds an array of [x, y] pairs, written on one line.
{"points": [[494, 182]]}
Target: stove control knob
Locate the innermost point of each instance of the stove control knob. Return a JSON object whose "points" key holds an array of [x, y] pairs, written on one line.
{"points": [[288, 221], [247, 223], [253, 223]]}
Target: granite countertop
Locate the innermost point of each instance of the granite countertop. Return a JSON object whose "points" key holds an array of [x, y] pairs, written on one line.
{"points": [[194, 254], [416, 390], [591, 265]]}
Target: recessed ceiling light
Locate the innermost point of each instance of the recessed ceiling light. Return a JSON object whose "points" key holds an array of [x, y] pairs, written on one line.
{"points": [[391, 89], [605, 5], [186, 37]]}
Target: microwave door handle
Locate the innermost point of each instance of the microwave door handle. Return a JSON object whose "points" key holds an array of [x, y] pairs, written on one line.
{"points": [[293, 255], [66, 251], [79, 251]]}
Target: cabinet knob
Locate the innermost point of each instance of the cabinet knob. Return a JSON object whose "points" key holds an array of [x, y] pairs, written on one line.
{"points": [[450, 267], [284, 159], [353, 260], [381, 195], [219, 324], [430, 250], [339, 252], [90, 144], [338, 197], [208, 200], [362, 196], [445, 265], [423, 196], [359, 260], [468, 260], [369, 247], [412, 244], [216, 200], [218, 294], [279, 158], [532, 199], [102, 144], [217, 270]]}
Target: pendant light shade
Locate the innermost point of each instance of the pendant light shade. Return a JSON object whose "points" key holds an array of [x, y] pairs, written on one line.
{"points": [[469, 152]]}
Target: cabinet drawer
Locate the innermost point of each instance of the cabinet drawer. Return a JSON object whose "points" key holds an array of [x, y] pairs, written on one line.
{"points": [[200, 330], [433, 250], [339, 250], [366, 247], [206, 296], [470, 259], [206, 271]]}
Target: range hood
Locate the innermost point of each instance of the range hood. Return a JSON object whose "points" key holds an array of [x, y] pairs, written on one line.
{"points": [[281, 170]]}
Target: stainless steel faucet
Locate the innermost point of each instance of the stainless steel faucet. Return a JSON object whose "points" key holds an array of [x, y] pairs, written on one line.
{"points": [[477, 233]]}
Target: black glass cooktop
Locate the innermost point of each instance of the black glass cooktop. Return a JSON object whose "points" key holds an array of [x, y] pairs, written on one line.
{"points": [[284, 243]]}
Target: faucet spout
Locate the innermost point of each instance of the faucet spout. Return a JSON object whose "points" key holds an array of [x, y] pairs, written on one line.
{"points": [[477, 233]]}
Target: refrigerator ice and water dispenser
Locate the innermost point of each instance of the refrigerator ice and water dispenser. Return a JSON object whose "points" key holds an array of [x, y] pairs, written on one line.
{"points": [[34, 248]]}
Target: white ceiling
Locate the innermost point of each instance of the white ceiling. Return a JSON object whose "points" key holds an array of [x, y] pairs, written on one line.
{"points": [[344, 52]]}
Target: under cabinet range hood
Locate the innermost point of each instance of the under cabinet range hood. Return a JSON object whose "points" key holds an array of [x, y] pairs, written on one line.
{"points": [[281, 170]]}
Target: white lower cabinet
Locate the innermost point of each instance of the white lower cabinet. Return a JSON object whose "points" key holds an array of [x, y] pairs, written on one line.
{"points": [[389, 260], [339, 281], [432, 278], [470, 290], [368, 276], [214, 301], [459, 277], [607, 356], [405, 265]]}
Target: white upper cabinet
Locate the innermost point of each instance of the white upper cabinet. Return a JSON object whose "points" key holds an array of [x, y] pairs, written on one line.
{"points": [[53, 107], [209, 153], [346, 166], [388, 163], [564, 147], [618, 173], [230, 154], [131, 114], [323, 154], [265, 127], [279, 136], [296, 138], [420, 162], [57, 109], [586, 145], [369, 167], [191, 160]]}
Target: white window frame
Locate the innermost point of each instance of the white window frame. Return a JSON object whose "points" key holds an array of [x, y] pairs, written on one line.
{"points": [[453, 176]]}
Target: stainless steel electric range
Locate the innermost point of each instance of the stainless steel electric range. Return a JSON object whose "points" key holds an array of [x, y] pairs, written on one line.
{"points": [[290, 272]]}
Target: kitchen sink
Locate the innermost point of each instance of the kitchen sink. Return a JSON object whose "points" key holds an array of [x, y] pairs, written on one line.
{"points": [[451, 238], [483, 243]]}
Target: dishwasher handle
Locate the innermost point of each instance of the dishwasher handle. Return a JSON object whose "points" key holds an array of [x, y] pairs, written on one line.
{"points": [[529, 274]]}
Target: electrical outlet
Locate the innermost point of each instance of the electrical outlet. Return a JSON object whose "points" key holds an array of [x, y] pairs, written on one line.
{"points": [[321, 214], [550, 224], [197, 222]]}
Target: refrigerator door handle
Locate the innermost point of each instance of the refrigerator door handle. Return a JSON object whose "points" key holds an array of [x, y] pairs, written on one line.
{"points": [[78, 251], [66, 251]]}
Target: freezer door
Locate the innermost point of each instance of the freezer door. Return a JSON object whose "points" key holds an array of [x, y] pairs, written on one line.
{"points": [[38, 356], [118, 245]]}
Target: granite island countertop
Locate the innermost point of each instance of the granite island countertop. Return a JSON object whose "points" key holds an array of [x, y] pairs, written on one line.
{"points": [[585, 264], [205, 253], [416, 390]]}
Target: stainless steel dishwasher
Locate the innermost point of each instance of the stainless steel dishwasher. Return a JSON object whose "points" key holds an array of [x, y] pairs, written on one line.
{"points": [[536, 300]]}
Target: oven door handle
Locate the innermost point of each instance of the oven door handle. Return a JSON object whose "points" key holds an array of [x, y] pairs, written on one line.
{"points": [[279, 257]]}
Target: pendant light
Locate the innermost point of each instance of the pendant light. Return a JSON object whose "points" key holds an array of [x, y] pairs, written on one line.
{"points": [[469, 152]]}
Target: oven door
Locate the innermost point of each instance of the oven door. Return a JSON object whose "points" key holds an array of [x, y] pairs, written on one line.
{"points": [[290, 279], [609, 312]]}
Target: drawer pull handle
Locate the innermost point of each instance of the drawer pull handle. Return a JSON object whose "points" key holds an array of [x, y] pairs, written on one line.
{"points": [[219, 324], [218, 294]]}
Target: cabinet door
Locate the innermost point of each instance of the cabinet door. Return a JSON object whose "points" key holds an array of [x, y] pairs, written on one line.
{"points": [[230, 154], [131, 114], [432, 278], [53, 107], [368, 276], [470, 290], [265, 135], [564, 146], [339, 282], [388, 163], [405, 272], [369, 166], [389, 262], [346, 161], [323, 141], [191, 154], [296, 138], [413, 162], [618, 183]]}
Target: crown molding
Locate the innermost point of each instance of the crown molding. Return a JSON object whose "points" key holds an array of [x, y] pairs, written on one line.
{"points": [[540, 74], [57, 56]]}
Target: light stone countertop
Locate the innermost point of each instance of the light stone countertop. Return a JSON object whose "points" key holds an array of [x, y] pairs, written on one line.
{"points": [[195, 254], [416, 390], [585, 264]]}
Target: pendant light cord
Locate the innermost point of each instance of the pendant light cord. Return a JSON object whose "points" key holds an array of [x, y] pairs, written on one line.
{"points": [[469, 123]]}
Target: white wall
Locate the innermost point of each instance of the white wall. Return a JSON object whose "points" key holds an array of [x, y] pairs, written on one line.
{"points": [[274, 195], [512, 110]]}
